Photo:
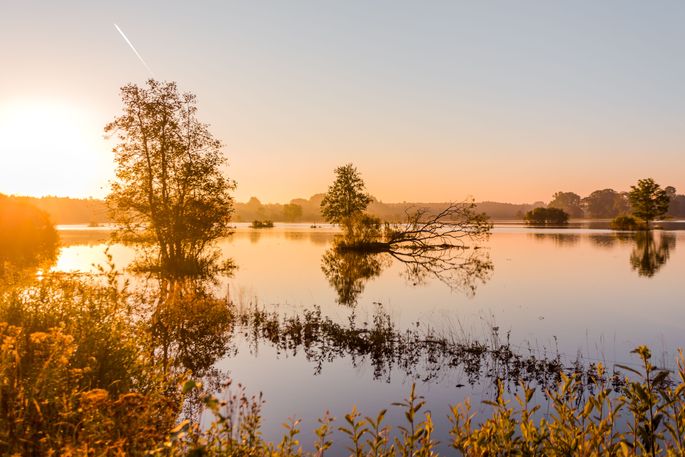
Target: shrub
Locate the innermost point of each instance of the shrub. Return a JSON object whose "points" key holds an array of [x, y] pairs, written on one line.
{"points": [[628, 223], [647, 417], [262, 224], [546, 216], [27, 237], [76, 374]]}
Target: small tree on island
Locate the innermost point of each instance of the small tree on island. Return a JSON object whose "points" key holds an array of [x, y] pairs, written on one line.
{"points": [[346, 197], [346, 201], [648, 200], [169, 190]]}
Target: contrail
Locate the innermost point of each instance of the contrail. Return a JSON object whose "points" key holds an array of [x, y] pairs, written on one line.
{"points": [[134, 50]]}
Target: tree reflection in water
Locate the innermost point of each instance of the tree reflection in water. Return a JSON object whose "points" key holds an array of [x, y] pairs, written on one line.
{"points": [[647, 257], [348, 272], [189, 326], [560, 239], [460, 268]]}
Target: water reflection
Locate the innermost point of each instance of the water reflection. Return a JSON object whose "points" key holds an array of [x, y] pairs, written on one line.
{"points": [[460, 268], [649, 253], [648, 256], [348, 272], [559, 239], [418, 352], [190, 326], [610, 240]]}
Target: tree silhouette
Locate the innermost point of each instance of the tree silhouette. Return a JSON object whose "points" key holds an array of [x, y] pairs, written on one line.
{"points": [[546, 216], [648, 200], [605, 203], [647, 257], [567, 201], [346, 197], [27, 237], [169, 190]]}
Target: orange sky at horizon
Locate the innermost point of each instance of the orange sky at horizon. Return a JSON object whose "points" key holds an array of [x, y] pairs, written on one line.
{"points": [[500, 102]]}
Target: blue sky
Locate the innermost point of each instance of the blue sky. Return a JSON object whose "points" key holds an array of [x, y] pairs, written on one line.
{"points": [[431, 100]]}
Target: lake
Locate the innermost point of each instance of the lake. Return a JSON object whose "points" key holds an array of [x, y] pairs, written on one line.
{"points": [[581, 293]]}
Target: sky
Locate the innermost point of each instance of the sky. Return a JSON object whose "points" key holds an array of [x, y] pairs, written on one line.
{"points": [[432, 101]]}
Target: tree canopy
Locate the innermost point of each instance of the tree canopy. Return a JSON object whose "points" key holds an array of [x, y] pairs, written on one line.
{"points": [[546, 216], [605, 203], [346, 197], [567, 201], [169, 187], [27, 236], [648, 200]]}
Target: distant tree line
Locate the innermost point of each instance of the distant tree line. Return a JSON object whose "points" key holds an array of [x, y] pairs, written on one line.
{"points": [[64, 210], [600, 204], [608, 203]]}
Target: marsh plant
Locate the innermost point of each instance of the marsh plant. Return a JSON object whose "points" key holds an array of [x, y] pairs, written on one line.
{"points": [[646, 418]]}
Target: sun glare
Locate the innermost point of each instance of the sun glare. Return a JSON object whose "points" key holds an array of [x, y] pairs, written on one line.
{"points": [[50, 149]]}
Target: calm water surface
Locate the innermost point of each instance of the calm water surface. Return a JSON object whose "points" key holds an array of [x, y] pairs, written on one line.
{"points": [[581, 293]]}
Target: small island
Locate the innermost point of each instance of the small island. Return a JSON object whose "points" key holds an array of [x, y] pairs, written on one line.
{"points": [[257, 224]]}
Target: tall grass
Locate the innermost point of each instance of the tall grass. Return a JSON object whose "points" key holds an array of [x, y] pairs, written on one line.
{"points": [[76, 375]]}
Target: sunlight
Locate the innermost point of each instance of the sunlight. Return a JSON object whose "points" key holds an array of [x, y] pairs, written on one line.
{"points": [[51, 148]]}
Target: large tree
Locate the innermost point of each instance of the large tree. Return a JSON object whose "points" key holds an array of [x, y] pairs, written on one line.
{"points": [[346, 197], [170, 190], [567, 201], [648, 200], [605, 203]]}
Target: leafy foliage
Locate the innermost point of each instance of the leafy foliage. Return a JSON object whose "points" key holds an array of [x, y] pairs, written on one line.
{"points": [[170, 190], [546, 216], [648, 200], [77, 379], [292, 212], [580, 421], [567, 201], [27, 237], [627, 223], [605, 203], [346, 197], [76, 376]]}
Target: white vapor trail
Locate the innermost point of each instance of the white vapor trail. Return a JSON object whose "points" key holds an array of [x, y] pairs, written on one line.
{"points": [[134, 50]]}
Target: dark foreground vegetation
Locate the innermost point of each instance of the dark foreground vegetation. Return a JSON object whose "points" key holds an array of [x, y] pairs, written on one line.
{"points": [[86, 371]]}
